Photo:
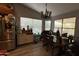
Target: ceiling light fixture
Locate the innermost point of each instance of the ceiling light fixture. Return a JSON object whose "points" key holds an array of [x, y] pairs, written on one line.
{"points": [[46, 14]]}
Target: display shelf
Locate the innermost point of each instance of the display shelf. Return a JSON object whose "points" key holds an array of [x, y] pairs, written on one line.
{"points": [[7, 30]]}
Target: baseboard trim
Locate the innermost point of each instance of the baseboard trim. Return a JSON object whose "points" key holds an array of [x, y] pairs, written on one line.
{"points": [[18, 46], [25, 44]]}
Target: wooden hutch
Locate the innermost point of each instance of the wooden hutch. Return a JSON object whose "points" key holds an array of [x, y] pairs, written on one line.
{"points": [[7, 27]]}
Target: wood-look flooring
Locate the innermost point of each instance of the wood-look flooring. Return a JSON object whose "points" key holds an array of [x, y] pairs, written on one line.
{"points": [[30, 50]]}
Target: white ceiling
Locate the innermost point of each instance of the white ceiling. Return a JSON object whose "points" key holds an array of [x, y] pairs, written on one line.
{"points": [[56, 8]]}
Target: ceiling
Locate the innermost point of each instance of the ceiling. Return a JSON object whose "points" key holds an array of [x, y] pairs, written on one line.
{"points": [[56, 8]]}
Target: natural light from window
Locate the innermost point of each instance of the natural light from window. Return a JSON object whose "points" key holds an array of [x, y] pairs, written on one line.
{"points": [[35, 24], [47, 25], [66, 25]]}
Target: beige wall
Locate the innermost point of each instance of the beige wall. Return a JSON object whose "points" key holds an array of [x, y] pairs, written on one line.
{"points": [[23, 11], [25, 38]]}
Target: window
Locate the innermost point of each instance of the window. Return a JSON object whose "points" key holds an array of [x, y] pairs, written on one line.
{"points": [[35, 24], [47, 25], [26, 21], [69, 31], [65, 25], [69, 26], [58, 25]]}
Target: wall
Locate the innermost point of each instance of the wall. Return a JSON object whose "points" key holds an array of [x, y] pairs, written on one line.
{"points": [[23, 11], [77, 31], [25, 38]]}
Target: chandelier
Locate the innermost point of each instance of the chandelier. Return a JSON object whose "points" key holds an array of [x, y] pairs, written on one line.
{"points": [[46, 14]]}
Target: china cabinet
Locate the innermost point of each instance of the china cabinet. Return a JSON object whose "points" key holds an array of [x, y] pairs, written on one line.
{"points": [[7, 28]]}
